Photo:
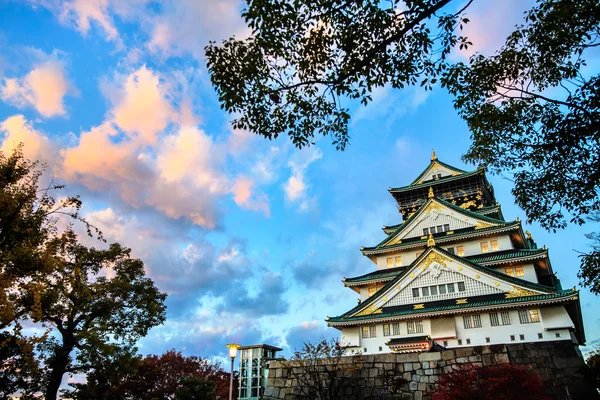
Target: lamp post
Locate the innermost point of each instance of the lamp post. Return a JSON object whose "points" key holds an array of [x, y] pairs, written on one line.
{"points": [[233, 348]]}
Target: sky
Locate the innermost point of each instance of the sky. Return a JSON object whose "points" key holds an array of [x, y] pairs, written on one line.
{"points": [[250, 238]]}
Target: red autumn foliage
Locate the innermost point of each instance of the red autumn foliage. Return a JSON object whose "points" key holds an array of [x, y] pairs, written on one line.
{"points": [[498, 382]]}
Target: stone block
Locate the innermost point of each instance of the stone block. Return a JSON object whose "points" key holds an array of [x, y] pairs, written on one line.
{"points": [[412, 386], [420, 372], [422, 386], [407, 396], [501, 358], [488, 359], [399, 368], [407, 376], [388, 367], [408, 357], [497, 348], [426, 364], [476, 358], [462, 360], [408, 366], [416, 366], [429, 371], [373, 372], [388, 358], [435, 356], [448, 355], [418, 395], [433, 364], [464, 352]]}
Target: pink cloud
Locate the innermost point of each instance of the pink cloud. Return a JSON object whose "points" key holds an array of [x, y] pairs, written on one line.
{"points": [[143, 107], [244, 197], [17, 130], [43, 89]]}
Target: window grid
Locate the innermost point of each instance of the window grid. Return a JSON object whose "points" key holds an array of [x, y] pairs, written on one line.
{"points": [[503, 319], [484, 247], [472, 321], [414, 327], [398, 260], [450, 250], [386, 329], [460, 250], [396, 328], [373, 330], [494, 245], [519, 271], [390, 262], [529, 316]]}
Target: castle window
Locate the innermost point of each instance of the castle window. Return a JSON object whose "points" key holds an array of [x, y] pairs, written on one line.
{"points": [[450, 287], [386, 329], [494, 244], [414, 326], [433, 290], [468, 341], [522, 337], [440, 228], [415, 292], [509, 271], [460, 250], [487, 340], [398, 260], [540, 336], [557, 335], [461, 286], [396, 328], [519, 271], [512, 338], [432, 229], [365, 332], [529, 316], [450, 250], [425, 231], [390, 262], [503, 319], [446, 227], [460, 342], [442, 289], [514, 271], [472, 321], [425, 291], [484, 247], [380, 348], [372, 290], [445, 343], [373, 330]]}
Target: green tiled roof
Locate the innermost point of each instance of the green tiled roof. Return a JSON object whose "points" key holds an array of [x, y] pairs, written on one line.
{"points": [[429, 166], [461, 210], [514, 224], [375, 275], [547, 296], [481, 268], [433, 182], [504, 255]]}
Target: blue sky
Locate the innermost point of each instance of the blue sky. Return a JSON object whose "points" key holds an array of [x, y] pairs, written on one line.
{"points": [[249, 237]]}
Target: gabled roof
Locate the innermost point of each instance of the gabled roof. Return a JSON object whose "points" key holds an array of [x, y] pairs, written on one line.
{"points": [[500, 257], [425, 207], [365, 305], [434, 182], [497, 257], [433, 164]]}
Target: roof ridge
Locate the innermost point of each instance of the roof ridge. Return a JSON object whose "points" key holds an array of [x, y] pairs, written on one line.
{"points": [[450, 205], [432, 182], [436, 160]]}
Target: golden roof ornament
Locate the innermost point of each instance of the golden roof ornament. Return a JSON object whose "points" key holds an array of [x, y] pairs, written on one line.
{"points": [[433, 156], [528, 234], [430, 241], [430, 194]]}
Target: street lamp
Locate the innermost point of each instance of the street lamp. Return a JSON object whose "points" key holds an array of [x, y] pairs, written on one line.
{"points": [[233, 348]]}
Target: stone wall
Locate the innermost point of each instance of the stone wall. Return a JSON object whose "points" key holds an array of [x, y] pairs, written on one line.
{"points": [[560, 365]]}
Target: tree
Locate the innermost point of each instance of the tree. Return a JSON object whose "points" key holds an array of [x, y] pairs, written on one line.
{"points": [[590, 262], [593, 363], [28, 222], [195, 389], [304, 56], [501, 382], [95, 301], [532, 107], [321, 371], [155, 377]]}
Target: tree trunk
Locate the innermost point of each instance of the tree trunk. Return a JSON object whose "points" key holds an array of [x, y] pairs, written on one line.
{"points": [[58, 366]]}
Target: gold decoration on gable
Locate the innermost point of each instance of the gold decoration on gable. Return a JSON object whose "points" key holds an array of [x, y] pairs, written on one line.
{"points": [[482, 225], [430, 241], [394, 241], [468, 204], [369, 310], [419, 306], [433, 257], [519, 292], [461, 301], [430, 195]]}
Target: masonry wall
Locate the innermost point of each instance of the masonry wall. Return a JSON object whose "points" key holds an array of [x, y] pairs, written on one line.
{"points": [[559, 364]]}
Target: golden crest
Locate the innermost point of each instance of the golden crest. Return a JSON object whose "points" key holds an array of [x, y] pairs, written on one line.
{"points": [[369, 310], [518, 292]]}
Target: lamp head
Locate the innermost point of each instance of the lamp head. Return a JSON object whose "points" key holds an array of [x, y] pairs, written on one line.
{"points": [[233, 348]]}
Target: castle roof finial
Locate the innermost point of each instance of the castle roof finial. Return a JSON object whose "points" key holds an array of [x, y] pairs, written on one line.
{"points": [[430, 195], [431, 241], [433, 156]]}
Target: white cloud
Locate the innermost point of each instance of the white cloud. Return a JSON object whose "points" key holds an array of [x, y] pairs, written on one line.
{"points": [[296, 187], [44, 89]]}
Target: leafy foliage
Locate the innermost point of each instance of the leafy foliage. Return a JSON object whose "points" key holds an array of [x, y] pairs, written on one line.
{"points": [[532, 111], [499, 382], [156, 377], [593, 362], [589, 274], [304, 56], [91, 305]]}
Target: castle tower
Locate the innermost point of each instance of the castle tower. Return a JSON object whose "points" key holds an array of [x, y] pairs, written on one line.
{"points": [[455, 273]]}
